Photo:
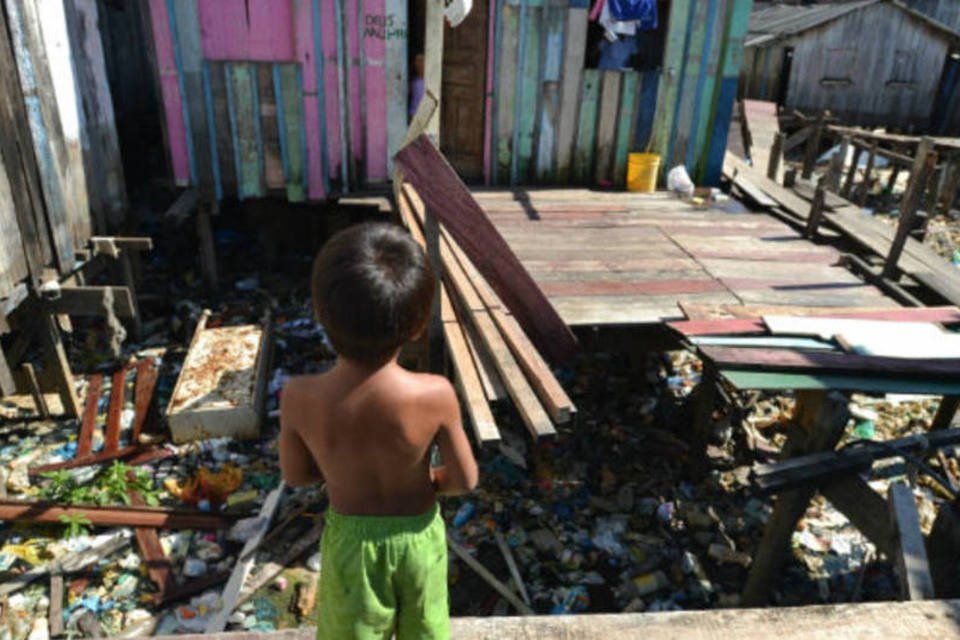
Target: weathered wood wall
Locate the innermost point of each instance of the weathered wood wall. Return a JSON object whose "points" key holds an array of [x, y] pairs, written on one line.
{"points": [[761, 74], [944, 11], [291, 95], [894, 75], [46, 162]]}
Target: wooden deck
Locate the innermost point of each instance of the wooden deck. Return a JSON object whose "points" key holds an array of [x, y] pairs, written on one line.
{"points": [[620, 258]]}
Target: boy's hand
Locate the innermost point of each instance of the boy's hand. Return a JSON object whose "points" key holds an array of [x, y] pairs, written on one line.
{"points": [[459, 471]]}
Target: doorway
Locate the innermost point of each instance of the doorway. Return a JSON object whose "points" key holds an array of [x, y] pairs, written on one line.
{"points": [[785, 68], [463, 89]]}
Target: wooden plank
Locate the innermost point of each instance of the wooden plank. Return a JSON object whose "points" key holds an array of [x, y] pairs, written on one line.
{"points": [[865, 508], [707, 88], [374, 101], [89, 301], [443, 192], [55, 615], [187, 38], [549, 120], [228, 598], [89, 420], [225, 170], [489, 578], [397, 84], [574, 50], [103, 166], [668, 93], [6, 387], [584, 151], [118, 388], [133, 455], [764, 360], [527, 94], [749, 320], [607, 125], [464, 367], [525, 400], [170, 91], [128, 516], [493, 387], [44, 125], [625, 126], [241, 99], [57, 362], [913, 570], [159, 567], [548, 388], [13, 263], [507, 52], [146, 382], [687, 104], [270, 150]]}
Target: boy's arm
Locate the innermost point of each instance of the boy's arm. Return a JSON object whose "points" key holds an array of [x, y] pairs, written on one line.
{"points": [[459, 471], [297, 465]]}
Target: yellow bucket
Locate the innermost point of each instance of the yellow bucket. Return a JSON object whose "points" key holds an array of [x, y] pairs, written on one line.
{"points": [[642, 170]]}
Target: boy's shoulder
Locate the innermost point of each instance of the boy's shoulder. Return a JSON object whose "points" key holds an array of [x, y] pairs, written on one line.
{"points": [[426, 385]]}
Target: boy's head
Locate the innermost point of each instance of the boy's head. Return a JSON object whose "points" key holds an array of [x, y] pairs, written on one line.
{"points": [[372, 291]]}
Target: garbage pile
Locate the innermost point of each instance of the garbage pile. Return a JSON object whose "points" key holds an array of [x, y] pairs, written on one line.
{"points": [[603, 519]]}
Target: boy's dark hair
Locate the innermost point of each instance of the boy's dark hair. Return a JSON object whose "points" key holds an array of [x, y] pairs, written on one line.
{"points": [[372, 291]]}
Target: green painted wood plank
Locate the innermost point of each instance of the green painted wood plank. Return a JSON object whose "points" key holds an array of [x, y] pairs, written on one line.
{"points": [[627, 120], [683, 122], [607, 124], [529, 91], [670, 78], [224, 139], [291, 101], [573, 54], [778, 381], [583, 154], [243, 84], [506, 85], [708, 102]]}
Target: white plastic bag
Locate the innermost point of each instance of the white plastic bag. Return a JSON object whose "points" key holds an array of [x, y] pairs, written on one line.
{"points": [[678, 181]]}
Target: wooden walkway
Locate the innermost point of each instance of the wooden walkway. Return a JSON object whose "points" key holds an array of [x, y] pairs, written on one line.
{"points": [[620, 258], [933, 619]]}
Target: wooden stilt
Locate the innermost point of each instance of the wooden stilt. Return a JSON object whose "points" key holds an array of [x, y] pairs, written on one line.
{"points": [[129, 281], [816, 212], [38, 400], [813, 148], [820, 418], [56, 358], [7, 385], [864, 190], [704, 399], [776, 155], [910, 561], [923, 164], [893, 178], [852, 172], [945, 413], [837, 163]]}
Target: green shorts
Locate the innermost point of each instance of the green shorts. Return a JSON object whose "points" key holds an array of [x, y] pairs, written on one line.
{"points": [[382, 575]]}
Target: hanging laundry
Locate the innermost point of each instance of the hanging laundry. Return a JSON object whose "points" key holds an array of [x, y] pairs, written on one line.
{"points": [[644, 12]]}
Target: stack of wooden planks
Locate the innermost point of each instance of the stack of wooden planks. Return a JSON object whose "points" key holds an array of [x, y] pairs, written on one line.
{"points": [[492, 356]]}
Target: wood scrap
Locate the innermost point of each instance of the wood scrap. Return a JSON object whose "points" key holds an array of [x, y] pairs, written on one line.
{"points": [[447, 197], [158, 564], [272, 569], [241, 570], [127, 516], [511, 565], [489, 578], [55, 615]]}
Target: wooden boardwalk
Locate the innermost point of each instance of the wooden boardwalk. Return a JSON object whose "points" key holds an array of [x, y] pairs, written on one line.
{"points": [[620, 258]]}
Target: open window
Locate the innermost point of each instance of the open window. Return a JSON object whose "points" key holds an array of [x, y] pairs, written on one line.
{"points": [[627, 46]]}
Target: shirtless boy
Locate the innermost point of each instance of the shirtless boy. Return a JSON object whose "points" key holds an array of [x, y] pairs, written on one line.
{"points": [[366, 428]]}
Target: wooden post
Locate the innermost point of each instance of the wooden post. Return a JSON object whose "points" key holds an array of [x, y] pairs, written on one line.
{"points": [[943, 551], [923, 164], [813, 148], [7, 386], [129, 281], [820, 420], [816, 212], [864, 189], [55, 620], [704, 398], [852, 172], [433, 62], [949, 194], [38, 400], [912, 567], [837, 163], [945, 413], [776, 154], [56, 357], [790, 177], [893, 178], [431, 231]]}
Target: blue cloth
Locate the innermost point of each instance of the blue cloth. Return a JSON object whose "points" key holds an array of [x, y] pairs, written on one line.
{"points": [[616, 55], [643, 11]]}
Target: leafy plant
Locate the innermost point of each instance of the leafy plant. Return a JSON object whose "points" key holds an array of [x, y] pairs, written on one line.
{"points": [[63, 487], [77, 525], [113, 485]]}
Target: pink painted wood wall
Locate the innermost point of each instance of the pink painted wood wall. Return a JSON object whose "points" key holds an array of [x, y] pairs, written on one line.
{"points": [[285, 32]]}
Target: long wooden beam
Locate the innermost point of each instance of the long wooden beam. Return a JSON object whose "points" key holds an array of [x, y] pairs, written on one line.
{"points": [[129, 516], [88, 301]]}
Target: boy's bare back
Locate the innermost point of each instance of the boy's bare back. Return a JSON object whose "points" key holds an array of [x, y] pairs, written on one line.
{"points": [[368, 434]]}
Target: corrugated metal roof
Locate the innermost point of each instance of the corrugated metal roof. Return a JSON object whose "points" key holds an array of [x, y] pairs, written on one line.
{"points": [[772, 20], [777, 20]]}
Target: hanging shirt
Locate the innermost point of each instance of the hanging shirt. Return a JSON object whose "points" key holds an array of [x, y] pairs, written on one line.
{"points": [[644, 12]]}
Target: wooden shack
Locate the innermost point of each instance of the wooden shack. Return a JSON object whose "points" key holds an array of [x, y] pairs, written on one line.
{"points": [[871, 62], [309, 98]]}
